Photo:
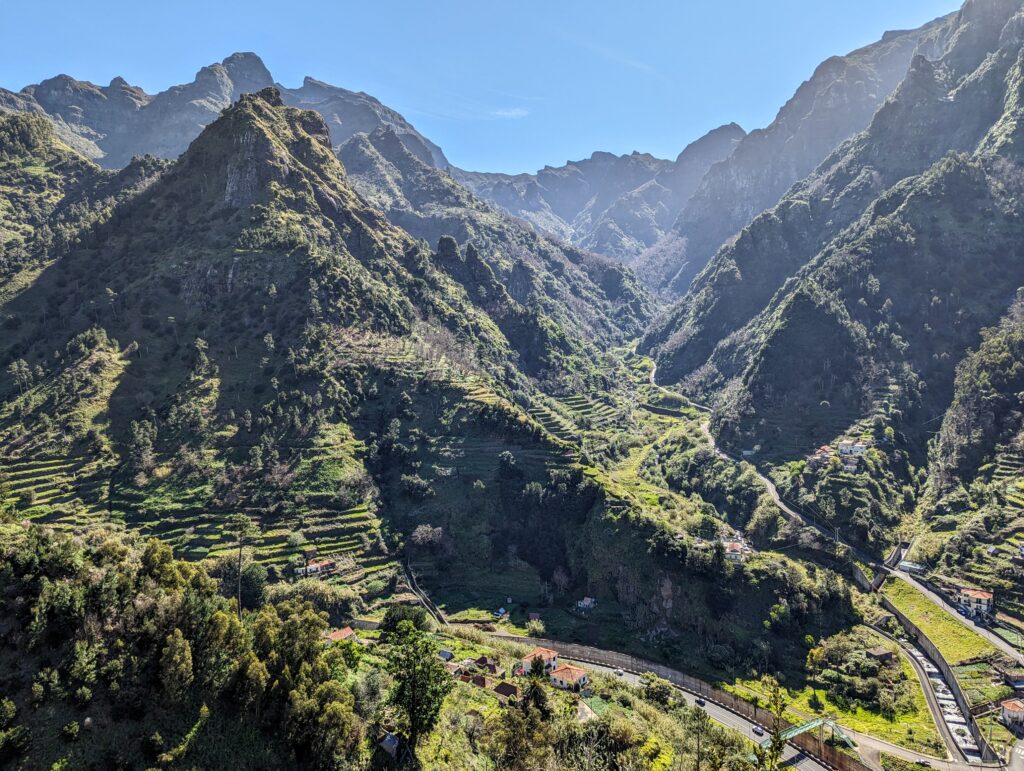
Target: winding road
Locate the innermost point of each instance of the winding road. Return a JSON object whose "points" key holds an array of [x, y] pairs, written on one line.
{"points": [[773, 491]]}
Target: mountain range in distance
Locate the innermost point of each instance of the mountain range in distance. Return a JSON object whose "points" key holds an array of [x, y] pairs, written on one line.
{"points": [[663, 217]]}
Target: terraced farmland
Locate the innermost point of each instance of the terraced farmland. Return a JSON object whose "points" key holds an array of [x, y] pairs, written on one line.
{"points": [[595, 413], [68, 493], [554, 424]]}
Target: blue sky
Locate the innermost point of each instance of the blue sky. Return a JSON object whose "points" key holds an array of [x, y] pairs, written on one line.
{"points": [[500, 86]]}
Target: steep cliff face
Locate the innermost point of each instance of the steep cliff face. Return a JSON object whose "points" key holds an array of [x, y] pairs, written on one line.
{"points": [[932, 260], [586, 295], [837, 101], [945, 105]]}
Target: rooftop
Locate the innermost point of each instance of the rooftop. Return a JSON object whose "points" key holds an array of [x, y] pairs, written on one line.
{"points": [[337, 635], [541, 653], [978, 594], [569, 673]]}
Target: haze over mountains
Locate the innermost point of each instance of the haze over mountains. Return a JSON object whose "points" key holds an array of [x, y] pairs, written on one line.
{"points": [[271, 325], [665, 217]]}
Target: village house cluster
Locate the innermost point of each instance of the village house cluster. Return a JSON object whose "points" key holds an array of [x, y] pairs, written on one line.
{"points": [[849, 452]]}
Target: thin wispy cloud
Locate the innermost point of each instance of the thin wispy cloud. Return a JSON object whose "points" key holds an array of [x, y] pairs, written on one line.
{"points": [[613, 56], [510, 113]]}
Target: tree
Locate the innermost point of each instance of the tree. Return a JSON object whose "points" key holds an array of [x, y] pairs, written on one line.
{"points": [[768, 757], [535, 697], [699, 723], [253, 683], [176, 665], [421, 681], [244, 530], [21, 373], [396, 614], [656, 689], [520, 740]]}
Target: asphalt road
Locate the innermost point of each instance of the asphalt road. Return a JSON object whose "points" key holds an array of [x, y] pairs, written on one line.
{"points": [[937, 599], [792, 756]]}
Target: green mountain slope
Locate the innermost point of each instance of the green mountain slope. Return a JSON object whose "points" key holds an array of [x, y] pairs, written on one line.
{"points": [[806, 332]]}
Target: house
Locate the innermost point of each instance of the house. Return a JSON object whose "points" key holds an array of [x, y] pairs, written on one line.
{"points": [[507, 692], [485, 661], [881, 654], [978, 602], [445, 655], [850, 448], [310, 552], [453, 669], [1012, 712], [535, 617], [735, 551], [480, 681], [569, 678], [500, 613], [320, 567], [464, 678], [587, 603], [337, 635], [851, 464], [820, 457], [548, 656]]}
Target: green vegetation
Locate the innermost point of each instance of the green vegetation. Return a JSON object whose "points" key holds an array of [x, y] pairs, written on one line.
{"points": [[176, 675], [840, 679], [955, 641]]}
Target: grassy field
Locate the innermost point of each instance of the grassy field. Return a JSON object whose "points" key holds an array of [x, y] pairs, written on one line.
{"points": [[913, 729], [956, 642]]}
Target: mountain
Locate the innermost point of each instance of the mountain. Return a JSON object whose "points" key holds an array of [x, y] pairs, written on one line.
{"points": [[837, 101], [845, 309], [613, 205], [113, 123], [245, 338], [536, 270]]}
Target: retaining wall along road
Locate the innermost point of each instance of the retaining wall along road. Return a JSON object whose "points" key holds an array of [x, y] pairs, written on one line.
{"points": [[809, 743]]}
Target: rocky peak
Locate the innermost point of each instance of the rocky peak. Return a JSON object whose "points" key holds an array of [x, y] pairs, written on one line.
{"points": [[247, 72]]}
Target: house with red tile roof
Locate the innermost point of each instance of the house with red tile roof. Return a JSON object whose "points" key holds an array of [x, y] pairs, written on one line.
{"points": [[976, 601], [337, 635], [548, 656], [569, 678], [1012, 711]]}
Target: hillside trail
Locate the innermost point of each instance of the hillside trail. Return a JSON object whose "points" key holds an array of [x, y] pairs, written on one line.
{"points": [[773, 491]]}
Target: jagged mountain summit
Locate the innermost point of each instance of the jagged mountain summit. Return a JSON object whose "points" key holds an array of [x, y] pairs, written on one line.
{"points": [[111, 124]]}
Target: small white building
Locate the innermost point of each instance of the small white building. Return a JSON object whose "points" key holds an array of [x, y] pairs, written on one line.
{"points": [[849, 448], [548, 656], [1012, 712], [976, 601]]}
